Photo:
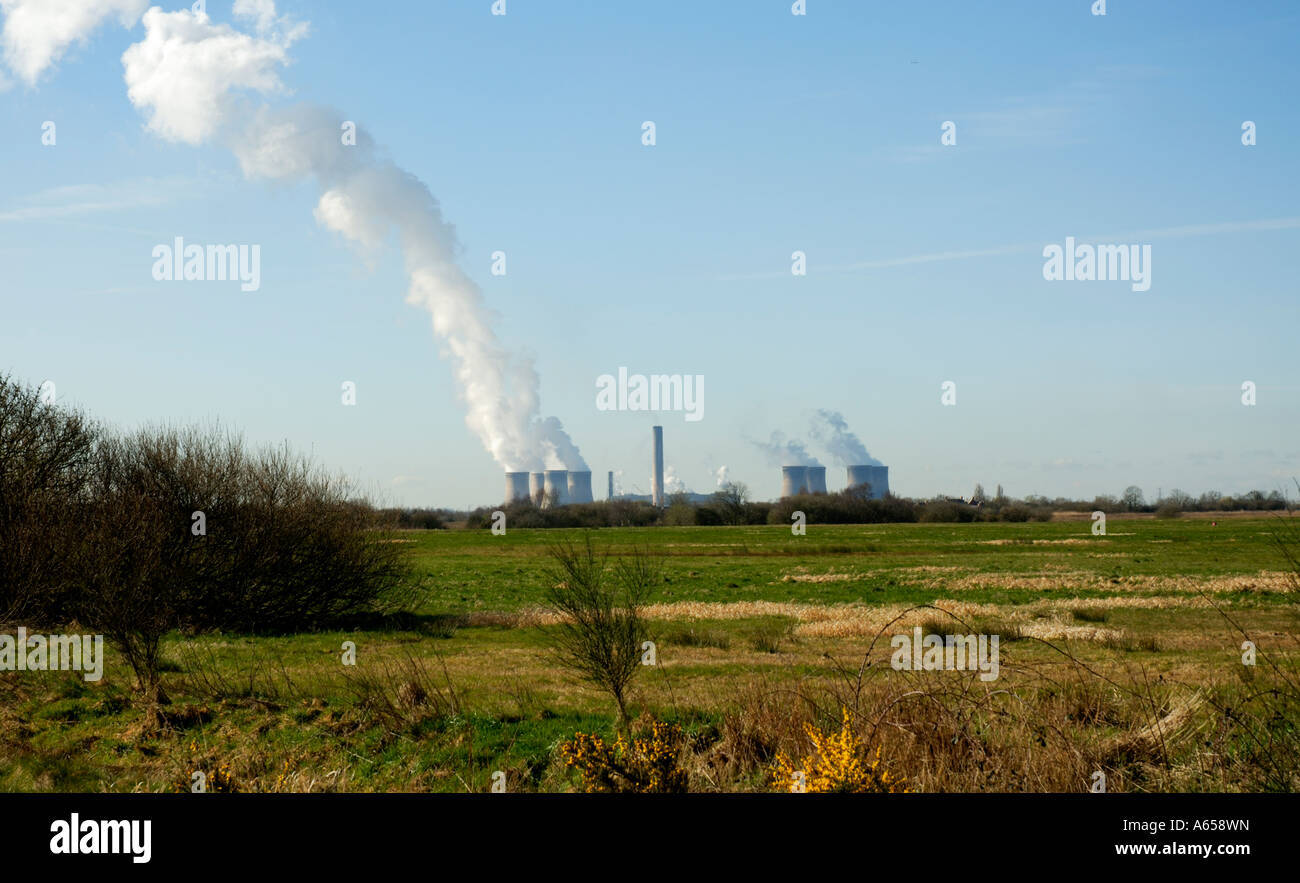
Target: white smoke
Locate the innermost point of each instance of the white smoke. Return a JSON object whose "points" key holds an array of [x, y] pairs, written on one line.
{"points": [[557, 448], [781, 451], [672, 483], [38, 32], [721, 474], [193, 81], [832, 431]]}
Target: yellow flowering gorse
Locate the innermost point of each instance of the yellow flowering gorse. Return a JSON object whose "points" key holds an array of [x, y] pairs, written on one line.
{"points": [[838, 764], [638, 765], [220, 781]]}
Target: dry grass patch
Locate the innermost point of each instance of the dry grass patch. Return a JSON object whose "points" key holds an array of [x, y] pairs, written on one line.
{"points": [[801, 577]]}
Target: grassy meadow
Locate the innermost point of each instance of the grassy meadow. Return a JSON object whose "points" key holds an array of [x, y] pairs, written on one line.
{"points": [[1120, 654]]}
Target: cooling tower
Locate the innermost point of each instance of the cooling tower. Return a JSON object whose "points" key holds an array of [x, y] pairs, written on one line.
{"points": [[537, 486], [794, 480], [516, 486], [580, 487], [657, 467], [879, 481], [557, 487], [862, 475], [816, 479]]}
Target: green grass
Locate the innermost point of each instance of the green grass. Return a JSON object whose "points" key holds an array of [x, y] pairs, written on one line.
{"points": [[286, 715], [465, 571]]}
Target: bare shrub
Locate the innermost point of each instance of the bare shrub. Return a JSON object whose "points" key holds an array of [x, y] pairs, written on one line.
{"points": [[601, 629], [46, 454], [184, 529], [281, 547], [133, 566]]}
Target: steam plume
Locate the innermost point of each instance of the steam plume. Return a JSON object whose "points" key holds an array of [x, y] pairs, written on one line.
{"points": [[831, 430], [191, 79], [781, 451]]}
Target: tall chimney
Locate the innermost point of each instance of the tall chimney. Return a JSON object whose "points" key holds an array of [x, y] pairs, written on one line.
{"points": [[516, 486], [557, 487], [794, 480], [537, 487], [611, 485], [580, 486], [657, 465], [816, 479]]}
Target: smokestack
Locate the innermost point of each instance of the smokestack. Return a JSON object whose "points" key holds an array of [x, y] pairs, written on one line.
{"points": [[879, 481], [557, 487], [580, 486], [611, 485], [657, 465], [516, 486], [794, 480], [862, 475], [537, 487], [816, 479]]}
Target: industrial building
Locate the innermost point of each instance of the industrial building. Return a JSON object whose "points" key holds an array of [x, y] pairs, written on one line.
{"points": [[876, 477], [558, 487]]}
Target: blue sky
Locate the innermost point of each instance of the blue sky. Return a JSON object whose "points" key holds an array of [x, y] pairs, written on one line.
{"points": [[775, 133]]}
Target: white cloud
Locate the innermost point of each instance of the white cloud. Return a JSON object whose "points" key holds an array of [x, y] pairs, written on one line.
{"points": [[181, 74], [262, 12], [38, 32]]}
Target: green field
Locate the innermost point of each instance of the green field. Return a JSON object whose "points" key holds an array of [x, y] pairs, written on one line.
{"points": [[1120, 653], [465, 572]]}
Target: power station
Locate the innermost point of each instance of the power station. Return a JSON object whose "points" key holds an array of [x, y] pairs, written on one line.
{"points": [[816, 479], [559, 487], [875, 477], [556, 487], [794, 480], [580, 486], [797, 480], [516, 486]]}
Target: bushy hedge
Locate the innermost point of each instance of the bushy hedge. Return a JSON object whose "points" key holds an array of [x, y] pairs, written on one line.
{"points": [[174, 528], [609, 513], [259, 542], [47, 456], [850, 506], [846, 507]]}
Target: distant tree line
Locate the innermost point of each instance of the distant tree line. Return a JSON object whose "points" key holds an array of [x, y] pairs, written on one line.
{"points": [[415, 519], [731, 506]]}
